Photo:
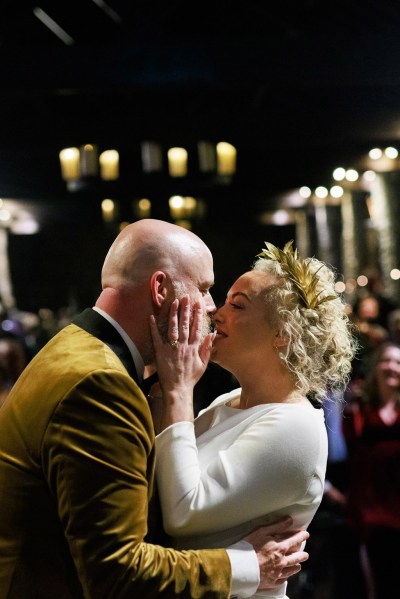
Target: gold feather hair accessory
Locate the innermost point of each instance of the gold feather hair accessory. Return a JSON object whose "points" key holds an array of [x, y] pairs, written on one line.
{"points": [[298, 272]]}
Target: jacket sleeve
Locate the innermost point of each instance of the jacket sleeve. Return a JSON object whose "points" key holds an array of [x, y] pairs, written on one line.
{"points": [[98, 457]]}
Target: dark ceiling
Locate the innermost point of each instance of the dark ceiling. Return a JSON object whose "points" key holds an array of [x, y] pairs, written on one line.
{"points": [[298, 86]]}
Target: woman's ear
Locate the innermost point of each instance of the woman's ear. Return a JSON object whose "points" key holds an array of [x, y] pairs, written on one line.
{"points": [[280, 339], [158, 288]]}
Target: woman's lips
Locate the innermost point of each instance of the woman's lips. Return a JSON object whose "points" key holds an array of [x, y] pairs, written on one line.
{"points": [[220, 334]]}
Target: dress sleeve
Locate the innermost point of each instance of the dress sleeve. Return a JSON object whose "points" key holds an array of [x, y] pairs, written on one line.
{"points": [[264, 467], [98, 456]]}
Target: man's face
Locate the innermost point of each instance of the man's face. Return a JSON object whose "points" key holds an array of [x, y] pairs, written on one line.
{"points": [[196, 283], [201, 295]]}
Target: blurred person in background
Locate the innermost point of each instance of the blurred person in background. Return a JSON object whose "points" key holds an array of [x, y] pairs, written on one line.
{"points": [[394, 326], [370, 332], [372, 430], [13, 359], [374, 288], [334, 569]]}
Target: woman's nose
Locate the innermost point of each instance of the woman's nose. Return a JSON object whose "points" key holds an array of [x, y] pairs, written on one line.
{"points": [[217, 314]]}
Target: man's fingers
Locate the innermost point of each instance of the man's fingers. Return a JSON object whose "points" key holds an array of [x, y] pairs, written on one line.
{"points": [[287, 573], [290, 570], [293, 567], [294, 559], [280, 568], [279, 551], [293, 542], [258, 537]]}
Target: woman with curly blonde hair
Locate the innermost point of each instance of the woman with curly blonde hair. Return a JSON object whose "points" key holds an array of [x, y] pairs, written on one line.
{"points": [[319, 349], [259, 451]]}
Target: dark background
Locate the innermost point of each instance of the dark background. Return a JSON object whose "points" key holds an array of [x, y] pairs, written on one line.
{"points": [[299, 87]]}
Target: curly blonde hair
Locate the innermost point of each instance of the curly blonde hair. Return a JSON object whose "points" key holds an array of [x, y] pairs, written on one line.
{"points": [[321, 340]]}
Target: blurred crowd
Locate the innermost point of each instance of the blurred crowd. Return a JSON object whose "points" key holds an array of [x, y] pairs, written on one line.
{"points": [[22, 335], [355, 535]]}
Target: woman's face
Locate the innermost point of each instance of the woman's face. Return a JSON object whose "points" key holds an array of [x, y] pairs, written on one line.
{"points": [[243, 330], [388, 368]]}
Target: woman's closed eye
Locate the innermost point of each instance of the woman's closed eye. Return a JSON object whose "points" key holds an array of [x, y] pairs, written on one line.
{"points": [[236, 306]]}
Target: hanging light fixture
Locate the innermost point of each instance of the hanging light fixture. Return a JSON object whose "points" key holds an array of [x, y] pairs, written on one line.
{"points": [[177, 162], [109, 165], [142, 208], [108, 210], [69, 161], [226, 158], [84, 162], [88, 171]]}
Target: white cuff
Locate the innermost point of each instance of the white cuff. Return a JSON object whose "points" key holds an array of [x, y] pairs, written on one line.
{"points": [[245, 569]]}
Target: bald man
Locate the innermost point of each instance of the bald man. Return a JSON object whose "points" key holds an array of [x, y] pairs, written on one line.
{"points": [[77, 448]]}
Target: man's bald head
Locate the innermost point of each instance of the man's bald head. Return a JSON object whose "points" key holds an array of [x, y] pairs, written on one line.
{"points": [[151, 263], [148, 245]]}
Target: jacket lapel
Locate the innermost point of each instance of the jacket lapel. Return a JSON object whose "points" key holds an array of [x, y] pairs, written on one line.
{"points": [[92, 322]]}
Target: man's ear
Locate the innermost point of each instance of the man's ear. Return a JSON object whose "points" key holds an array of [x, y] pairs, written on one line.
{"points": [[158, 288]]}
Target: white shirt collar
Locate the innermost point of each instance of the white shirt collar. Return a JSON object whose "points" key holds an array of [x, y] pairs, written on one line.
{"points": [[137, 358]]}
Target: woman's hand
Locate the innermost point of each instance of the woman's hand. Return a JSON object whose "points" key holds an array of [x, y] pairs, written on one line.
{"points": [[182, 360]]}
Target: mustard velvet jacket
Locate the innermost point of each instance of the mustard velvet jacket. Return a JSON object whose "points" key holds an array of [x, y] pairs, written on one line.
{"points": [[76, 476]]}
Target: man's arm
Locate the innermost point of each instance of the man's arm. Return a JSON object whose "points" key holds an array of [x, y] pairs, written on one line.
{"points": [[98, 460]]}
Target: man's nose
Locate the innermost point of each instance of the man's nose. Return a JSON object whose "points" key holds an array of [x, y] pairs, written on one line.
{"points": [[210, 304]]}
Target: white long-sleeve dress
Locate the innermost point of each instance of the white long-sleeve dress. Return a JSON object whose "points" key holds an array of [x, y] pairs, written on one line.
{"points": [[236, 469]]}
